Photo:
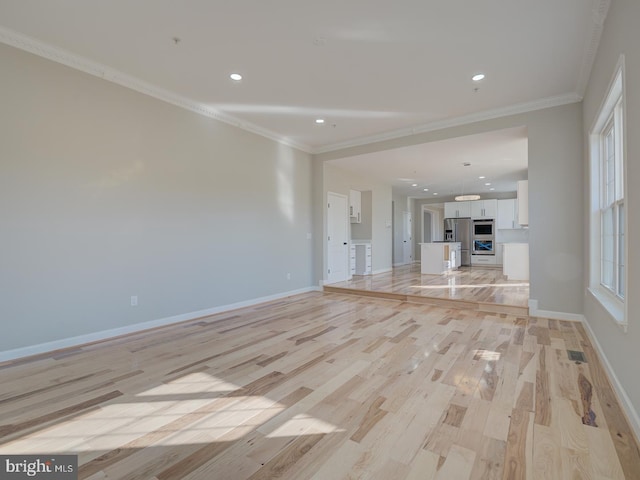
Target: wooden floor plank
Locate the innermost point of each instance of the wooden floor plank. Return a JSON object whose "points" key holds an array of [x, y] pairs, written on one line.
{"points": [[322, 386]]}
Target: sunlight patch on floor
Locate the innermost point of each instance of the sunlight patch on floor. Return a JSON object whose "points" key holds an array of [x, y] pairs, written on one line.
{"points": [[198, 382], [149, 423], [303, 424]]}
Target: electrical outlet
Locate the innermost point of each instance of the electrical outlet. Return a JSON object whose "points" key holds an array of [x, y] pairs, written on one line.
{"points": [[134, 300]]}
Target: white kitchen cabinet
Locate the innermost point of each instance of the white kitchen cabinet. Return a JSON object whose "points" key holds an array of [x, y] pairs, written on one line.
{"points": [[523, 202], [484, 208], [355, 206], [457, 210], [507, 218], [515, 264], [489, 260], [362, 261]]}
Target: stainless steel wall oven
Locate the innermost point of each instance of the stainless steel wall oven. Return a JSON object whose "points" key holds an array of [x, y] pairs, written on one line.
{"points": [[483, 237]]}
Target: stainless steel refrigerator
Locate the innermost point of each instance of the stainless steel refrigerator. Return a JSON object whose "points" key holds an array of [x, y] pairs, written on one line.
{"points": [[459, 230]]}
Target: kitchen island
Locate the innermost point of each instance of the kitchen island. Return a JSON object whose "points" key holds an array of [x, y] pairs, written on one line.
{"points": [[439, 257]]}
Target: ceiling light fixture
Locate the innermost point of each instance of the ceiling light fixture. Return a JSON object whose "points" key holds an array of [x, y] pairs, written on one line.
{"points": [[236, 77], [492, 189], [319, 121], [466, 198], [414, 184], [425, 189], [435, 193], [481, 177], [477, 77], [488, 183]]}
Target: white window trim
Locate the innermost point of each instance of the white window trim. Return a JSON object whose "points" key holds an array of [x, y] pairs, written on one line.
{"points": [[614, 305]]}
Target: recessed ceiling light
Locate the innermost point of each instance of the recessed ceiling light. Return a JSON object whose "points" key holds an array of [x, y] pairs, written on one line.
{"points": [[435, 193], [477, 77], [492, 189], [414, 184], [235, 77], [319, 121], [487, 184], [425, 189], [481, 177]]}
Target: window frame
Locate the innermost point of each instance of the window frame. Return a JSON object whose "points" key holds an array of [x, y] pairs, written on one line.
{"points": [[611, 115]]}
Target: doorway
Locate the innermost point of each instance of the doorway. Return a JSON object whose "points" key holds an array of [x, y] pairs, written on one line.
{"points": [[407, 238], [432, 217], [426, 226], [337, 238]]}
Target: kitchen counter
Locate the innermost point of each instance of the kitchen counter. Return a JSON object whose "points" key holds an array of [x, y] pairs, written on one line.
{"points": [[438, 257], [515, 261]]}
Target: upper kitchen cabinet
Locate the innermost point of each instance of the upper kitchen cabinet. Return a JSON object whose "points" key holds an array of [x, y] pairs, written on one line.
{"points": [[457, 210], [523, 202], [355, 206], [484, 208], [507, 218]]}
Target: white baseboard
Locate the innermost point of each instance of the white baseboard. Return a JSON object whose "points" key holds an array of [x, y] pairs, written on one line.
{"points": [[138, 327], [571, 317], [623, 398], [382, 270]]}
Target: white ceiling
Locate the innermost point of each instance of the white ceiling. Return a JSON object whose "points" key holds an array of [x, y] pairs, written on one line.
{"points": [[371, 68]]}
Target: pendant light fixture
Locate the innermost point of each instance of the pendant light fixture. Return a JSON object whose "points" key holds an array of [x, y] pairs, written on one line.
{"points": [[462, 197], [465, 198]]}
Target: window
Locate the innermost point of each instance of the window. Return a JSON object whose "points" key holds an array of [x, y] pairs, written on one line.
{"points": [[612, 208], [608, 218]]}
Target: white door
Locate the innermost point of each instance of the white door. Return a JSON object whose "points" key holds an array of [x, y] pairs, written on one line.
{"points": [[407, 243], [337, 238]]}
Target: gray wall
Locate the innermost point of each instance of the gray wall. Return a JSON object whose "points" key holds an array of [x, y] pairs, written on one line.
{"points": [[106, 193], [620, 35], [555, 196]]}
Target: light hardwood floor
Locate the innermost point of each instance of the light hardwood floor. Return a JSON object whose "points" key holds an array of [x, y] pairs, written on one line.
{"points": [[327, 386], [482, 288]]}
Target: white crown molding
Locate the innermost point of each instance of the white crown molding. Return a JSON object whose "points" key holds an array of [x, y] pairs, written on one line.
{"points": [[104, 72], [456, 122], [599, 12]]}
